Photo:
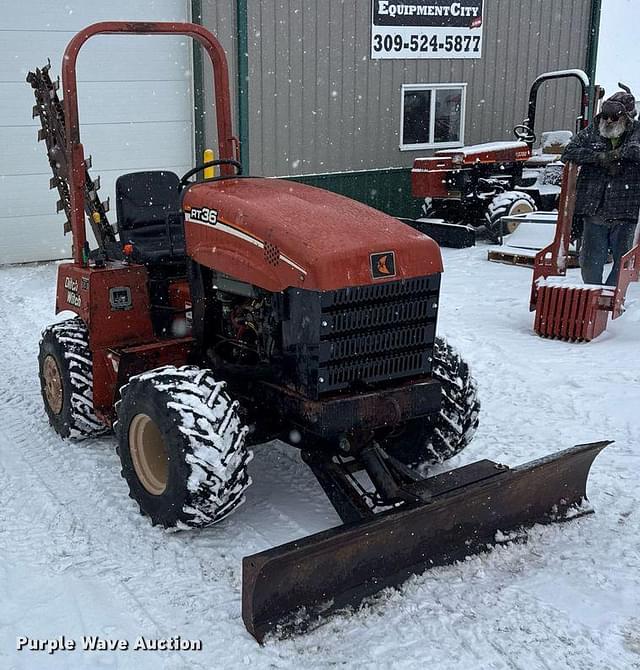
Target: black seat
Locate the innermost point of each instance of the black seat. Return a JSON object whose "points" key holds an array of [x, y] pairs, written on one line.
{"points": [[148, 211]]}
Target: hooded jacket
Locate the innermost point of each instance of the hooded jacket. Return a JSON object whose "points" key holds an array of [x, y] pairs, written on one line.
{"points": [[609, 181]]}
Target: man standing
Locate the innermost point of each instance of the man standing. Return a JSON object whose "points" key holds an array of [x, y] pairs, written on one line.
{"points": [[608, 188]]}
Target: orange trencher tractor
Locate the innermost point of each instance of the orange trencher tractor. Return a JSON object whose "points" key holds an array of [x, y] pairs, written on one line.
{"points": [[237, 309]]}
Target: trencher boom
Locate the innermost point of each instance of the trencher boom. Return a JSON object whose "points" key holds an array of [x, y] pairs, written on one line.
{"points": [[233, 310]]}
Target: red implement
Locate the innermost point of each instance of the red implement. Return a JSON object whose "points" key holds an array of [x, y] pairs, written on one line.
{"points": [[575, 312]]}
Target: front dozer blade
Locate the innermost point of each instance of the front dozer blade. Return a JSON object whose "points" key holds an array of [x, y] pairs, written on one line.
{"points": [[454, 235], [287, 587]]}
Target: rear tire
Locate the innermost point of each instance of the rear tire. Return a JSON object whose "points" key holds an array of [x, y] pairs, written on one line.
{"points": [[66, 379], [424, 442], [427, 210], [182, 447], [504, 204]]}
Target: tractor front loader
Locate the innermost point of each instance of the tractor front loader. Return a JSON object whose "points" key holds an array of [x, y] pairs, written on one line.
{"points": [[233, 310]]}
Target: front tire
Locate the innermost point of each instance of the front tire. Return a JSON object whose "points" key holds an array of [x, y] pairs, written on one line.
{"points": [[66, 379], [182, 447], [504, 204], [424, 442]]}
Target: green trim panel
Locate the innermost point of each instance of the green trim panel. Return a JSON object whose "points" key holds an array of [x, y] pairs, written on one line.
{"points": [[242, 21], [388, 190]]}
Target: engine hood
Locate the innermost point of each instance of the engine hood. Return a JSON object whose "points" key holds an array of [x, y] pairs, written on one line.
{"points": [[276, 233]]}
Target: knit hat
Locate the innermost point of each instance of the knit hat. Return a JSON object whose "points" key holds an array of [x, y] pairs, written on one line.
{"points": [[618, 104]]}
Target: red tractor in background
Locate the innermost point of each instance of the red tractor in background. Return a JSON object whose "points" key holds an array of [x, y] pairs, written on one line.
{"points": [[478, 185], [237, 309]]}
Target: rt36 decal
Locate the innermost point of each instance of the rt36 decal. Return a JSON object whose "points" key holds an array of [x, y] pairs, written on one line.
{"points": [[210, 217], [203, 215]]}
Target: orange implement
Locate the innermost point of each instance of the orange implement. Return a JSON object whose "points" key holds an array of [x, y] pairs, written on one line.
{"points": [[575, 312]]}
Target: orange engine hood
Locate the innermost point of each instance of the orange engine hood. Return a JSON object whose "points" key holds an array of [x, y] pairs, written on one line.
{"points": [[275, 233]]}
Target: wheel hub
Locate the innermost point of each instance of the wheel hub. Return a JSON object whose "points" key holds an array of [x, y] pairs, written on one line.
{"points": [[519, 208], [52, 384], [149, 454]]}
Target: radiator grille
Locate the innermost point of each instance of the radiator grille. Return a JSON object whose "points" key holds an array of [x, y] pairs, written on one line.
{"points": [[372, 334]]}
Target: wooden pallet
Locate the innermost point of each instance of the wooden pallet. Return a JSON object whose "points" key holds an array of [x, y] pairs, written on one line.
{"points": [[524, 260]]}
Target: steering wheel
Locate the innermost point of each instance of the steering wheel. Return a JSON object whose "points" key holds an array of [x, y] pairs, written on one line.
{"points": [[221, 161], [524, 133]]}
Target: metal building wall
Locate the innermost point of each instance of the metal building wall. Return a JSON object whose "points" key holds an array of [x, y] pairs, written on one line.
{"points": [[319, 104], [220, 18]]}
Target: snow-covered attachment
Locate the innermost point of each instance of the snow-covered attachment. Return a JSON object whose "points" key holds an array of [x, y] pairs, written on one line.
{"points": [[66, 379], [575, 312], [470, 508], [182, 447], [533, 232]]}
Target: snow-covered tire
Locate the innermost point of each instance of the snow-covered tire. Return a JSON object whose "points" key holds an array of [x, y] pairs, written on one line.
{"points": [[425, 442], [507, 203], [66, 379], [552, 174], [182, 447]]}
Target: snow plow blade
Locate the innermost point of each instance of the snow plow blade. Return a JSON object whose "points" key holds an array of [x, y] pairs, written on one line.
{"points": [[287, 587], [454, 235]]}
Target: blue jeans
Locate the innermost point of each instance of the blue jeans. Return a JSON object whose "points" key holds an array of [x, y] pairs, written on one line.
{"points": [[600, 238]]}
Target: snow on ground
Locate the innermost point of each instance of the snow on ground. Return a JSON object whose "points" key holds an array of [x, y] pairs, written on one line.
{"points": [[77, 559]]}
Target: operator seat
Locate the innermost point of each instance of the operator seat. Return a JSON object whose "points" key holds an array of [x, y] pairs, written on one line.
{"points": [[148, 211]]}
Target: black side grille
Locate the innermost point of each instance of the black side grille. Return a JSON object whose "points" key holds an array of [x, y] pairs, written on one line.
{"points": [[372, 334], [377, 292], [375, 342], [381, 368], [360, 337], [376, 315]]}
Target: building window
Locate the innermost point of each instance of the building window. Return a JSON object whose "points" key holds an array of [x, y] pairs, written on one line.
{"points": [[432, 116]]}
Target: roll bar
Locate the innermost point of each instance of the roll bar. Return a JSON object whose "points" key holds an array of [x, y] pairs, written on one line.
{"points": [[582, 121], [227, 143]]}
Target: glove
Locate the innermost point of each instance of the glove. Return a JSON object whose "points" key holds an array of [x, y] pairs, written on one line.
{"points": [[606, 158], [601, 158], [614, 156]]}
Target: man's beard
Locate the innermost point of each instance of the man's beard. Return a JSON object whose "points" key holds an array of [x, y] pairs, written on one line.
{"points": [[612, 130]]}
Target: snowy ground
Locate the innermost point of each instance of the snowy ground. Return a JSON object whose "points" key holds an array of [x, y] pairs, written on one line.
{"points": [[77, 559]]}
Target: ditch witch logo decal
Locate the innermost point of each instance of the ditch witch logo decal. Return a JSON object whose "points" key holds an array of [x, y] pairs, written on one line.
{"points": [[383, 265]]}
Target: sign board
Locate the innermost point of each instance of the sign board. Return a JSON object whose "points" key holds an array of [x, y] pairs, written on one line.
{"points": [[426, 29]]}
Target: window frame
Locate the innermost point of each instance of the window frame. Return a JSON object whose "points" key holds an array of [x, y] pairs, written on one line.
{"points": [[432, 120]]}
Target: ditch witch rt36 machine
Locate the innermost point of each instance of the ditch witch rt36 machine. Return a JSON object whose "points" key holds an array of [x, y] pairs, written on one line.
{"points": [[238, 309]]}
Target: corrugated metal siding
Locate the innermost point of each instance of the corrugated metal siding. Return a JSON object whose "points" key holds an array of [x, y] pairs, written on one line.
{"points": [[318, 103], [220, 19]]}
